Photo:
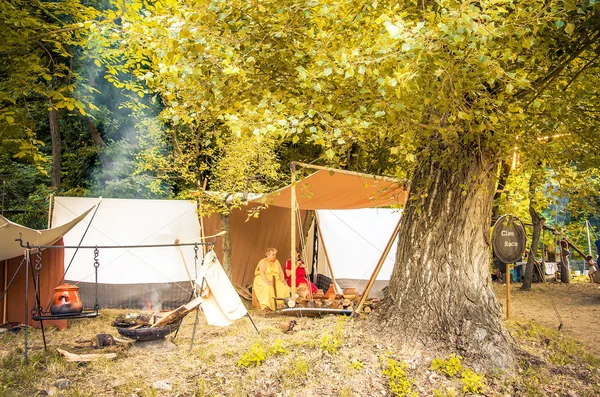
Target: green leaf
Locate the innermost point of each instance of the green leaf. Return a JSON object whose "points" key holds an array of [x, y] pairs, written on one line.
{"points": [[570, 28]]}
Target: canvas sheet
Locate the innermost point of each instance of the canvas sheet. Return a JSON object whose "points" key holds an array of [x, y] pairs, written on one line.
{"points": [[338, 189], [355, 240], [9, 231], [221, 304], [130, 222]]}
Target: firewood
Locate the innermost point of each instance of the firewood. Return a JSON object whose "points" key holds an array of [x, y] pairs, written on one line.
{"points": [[287, 326], [102, 340], [85, 357], [179, 313], [346, 303]]}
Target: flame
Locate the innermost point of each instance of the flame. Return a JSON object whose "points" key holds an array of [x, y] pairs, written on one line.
{"points": [[148, 305]]}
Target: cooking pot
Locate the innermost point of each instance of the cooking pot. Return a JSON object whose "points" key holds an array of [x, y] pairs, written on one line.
{"points": [[66, 300]]}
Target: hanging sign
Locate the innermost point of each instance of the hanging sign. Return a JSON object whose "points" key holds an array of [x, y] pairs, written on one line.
{"points": [[509, 239]]}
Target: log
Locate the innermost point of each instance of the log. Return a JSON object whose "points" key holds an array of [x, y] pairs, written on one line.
{"points": [[85, 357], [178, 314], [102, 340]]}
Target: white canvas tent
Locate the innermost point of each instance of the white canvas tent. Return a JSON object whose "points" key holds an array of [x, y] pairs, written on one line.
{"points": [[354, 241], [131, 277]]}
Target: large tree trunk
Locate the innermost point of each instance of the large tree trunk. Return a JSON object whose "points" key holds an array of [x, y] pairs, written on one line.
{"points": [[225, 225], [93, 132], [440, 290], [56, 145], [538, 223]]}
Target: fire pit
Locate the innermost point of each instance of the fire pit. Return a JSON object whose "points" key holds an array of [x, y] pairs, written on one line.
{"points": [[145, 332], [138, 327]]}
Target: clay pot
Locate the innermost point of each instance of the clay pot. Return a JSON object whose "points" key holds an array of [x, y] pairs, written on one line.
{"points": [[330, 294], [349, 291], [66, 300]]}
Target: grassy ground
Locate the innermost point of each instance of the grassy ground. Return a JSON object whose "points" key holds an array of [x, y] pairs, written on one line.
{"points": [[332, 356]]}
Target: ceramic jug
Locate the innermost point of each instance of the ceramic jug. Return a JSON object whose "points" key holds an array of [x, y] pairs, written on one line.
{"points": [[66, 300]]}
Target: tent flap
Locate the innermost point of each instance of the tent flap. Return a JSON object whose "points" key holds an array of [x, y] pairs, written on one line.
{"points": [[9, 232]]}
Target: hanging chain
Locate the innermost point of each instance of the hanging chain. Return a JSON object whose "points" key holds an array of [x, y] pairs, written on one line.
{"points": [[38, 267], [196, 251], [38, 260], [96, 266]]}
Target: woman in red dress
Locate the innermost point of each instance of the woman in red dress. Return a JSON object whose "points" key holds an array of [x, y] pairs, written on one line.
{"points": [[300, 273]]}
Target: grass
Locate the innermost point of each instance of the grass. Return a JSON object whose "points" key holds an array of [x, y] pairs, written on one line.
{"points": [[329, 356]]}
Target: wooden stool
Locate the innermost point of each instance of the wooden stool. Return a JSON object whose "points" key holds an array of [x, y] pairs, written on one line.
{"points": [[255, 303]]}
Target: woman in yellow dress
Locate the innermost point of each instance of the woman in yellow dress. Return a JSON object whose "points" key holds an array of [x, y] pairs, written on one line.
{"points": [[263, 280]]}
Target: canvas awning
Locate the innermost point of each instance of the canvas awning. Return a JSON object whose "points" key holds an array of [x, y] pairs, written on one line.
{"points": [[338, 189], [9, 232]]}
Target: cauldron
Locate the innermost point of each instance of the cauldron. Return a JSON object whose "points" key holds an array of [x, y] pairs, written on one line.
{"points": [[66, 300]]}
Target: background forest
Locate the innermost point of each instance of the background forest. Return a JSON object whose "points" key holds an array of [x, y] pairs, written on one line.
{"points": [[145, 99]]}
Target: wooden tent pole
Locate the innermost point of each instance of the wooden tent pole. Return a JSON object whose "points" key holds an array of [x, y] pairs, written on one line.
{"points": [[293, 229], [317, 221], [346, 172], [508, 275], [5, 295], [201, 217], [50, 201], [384, 254]]}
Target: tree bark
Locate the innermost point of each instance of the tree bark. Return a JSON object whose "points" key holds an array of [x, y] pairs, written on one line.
{"points": [[53, 117], [226, 226], [440, 290], [538, 223], [93, 132]]}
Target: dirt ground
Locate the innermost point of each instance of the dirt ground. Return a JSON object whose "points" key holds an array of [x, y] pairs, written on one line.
{"points": [[334, 356], [577, 304]]}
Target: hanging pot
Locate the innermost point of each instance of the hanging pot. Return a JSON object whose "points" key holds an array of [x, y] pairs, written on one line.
{"points": [[66, 300]]}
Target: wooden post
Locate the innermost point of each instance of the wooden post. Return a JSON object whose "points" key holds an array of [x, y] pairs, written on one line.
{"points": [[317, 221], [202, 218], [50, 200], [5, 295], [384, 254], [508, 265], [293, 228]]}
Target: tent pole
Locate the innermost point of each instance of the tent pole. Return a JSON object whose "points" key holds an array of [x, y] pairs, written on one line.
{"points": [[202, 234], [318, 222], [5, 286], [587, 228], [293, 228], [50, 200], [384, 254], [346, 172]]}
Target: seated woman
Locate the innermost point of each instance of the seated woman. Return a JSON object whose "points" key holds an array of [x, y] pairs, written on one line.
{"points": [[263, 280], [300, 273]]}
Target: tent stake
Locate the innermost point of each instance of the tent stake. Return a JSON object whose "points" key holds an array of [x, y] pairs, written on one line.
{"points": [[384, 254]]}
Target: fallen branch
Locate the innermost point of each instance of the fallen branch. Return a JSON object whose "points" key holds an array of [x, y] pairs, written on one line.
{"points": [[85, 357]]}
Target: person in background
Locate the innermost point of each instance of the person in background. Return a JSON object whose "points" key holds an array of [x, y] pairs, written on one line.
{"points": [[301, 278], [267, 268], [591, 267]]}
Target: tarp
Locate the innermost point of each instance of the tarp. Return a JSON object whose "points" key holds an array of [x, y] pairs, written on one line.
{"points": [[354, 241], [341, 190], [250, 237], [220, 302], [9, 232], [121, 222], [50, 277]]}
